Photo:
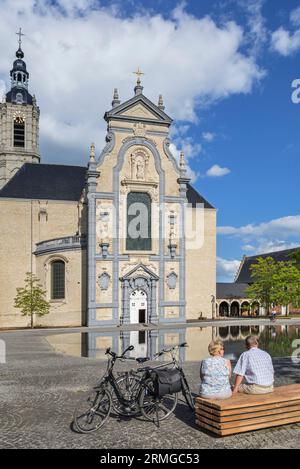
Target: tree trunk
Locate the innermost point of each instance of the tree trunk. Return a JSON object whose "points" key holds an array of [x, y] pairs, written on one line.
{"points": [[31, 320]]}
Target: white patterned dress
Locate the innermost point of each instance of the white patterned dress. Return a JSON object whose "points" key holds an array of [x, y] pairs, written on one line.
{"points": [[215, 382]]}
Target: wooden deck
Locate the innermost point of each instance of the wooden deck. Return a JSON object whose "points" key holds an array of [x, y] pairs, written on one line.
{"points": [[244, 412]]}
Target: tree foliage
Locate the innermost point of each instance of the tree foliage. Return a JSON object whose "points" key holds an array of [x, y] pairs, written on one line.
{"points": [[274, 283], [31, 298]]}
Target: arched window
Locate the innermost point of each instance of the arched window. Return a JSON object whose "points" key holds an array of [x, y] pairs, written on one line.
{"points": [[19, 77], [19, 132], [57, 280], [138, 222]]}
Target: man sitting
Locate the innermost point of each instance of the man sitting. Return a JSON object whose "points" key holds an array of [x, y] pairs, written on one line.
{"points": [[256, 367]]}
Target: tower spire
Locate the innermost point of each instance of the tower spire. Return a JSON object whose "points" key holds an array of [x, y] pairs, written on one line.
{"points": [[116, 100], [138, 89], [182, 163], [161, 102], [20, 53]]}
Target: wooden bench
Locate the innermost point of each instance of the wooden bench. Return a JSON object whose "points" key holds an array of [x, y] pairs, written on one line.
{"points": [[245, 412]]}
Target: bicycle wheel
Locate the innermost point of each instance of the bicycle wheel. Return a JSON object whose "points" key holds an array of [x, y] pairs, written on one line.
{"points": [[92, 410], [156, 408], [129, 387], [187, 393]]}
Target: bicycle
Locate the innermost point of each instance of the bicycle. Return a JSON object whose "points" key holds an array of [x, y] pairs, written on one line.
{"points": [[129, 395], [94, 408], [176, 364], [149, 403]]}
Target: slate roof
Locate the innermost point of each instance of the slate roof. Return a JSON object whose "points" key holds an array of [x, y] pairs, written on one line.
{"points": [[195, 198], [231, 290], [60, 182], [244, 276], [46, 181]]}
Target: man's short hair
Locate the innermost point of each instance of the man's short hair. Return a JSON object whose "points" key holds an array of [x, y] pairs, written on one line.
{"points": [[251, 341]]}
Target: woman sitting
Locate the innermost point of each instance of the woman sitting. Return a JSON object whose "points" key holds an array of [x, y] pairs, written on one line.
{"points": [[215, 373]]}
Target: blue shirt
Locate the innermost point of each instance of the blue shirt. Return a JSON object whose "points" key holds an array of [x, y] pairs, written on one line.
{"points": [[256, 366], [215, 376]]}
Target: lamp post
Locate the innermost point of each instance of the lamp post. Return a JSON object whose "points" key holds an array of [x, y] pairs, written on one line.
{"points": [[213, 306]]}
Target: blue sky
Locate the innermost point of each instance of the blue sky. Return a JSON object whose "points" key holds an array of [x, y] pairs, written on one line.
{"points": [[225, 68]]}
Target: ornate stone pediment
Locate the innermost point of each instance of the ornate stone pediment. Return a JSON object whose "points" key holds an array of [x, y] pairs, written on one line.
{"points": [[139, 108], [139, 270]]}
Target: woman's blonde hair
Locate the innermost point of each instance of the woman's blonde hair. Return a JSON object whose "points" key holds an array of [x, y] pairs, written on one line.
{"points": [[215, 346]]}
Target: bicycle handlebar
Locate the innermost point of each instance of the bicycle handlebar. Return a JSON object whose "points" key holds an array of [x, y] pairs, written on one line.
{"points": [[108, 351], [159, 354]]}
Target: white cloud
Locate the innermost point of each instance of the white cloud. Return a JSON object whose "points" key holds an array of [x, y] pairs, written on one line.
{"points": [[295, 16], [284, 42], [77, 52], [208, 136], [248, 248], [2, 90], [269, 245], [275, 235], [217, 171], [278, 228], [257, 34], [287, 42], [226, 269]]}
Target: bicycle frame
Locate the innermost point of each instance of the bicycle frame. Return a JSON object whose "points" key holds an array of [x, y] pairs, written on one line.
{"points": [[110, 379]]}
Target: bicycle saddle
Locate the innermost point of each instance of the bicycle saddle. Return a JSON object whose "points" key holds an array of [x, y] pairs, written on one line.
{"points": [[142, 359]]}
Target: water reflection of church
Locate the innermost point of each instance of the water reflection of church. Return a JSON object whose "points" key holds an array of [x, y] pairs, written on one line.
{"points": [[148, 342]]}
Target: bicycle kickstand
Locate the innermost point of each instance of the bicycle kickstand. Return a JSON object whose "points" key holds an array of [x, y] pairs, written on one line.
{"points": [[157, 417]]}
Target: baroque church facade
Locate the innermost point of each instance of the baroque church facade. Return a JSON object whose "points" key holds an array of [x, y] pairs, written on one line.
{"points": [[124, 239]]}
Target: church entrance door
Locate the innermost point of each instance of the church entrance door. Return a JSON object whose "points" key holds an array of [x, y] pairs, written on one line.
{"points": [[138, 314], [138, 307]]}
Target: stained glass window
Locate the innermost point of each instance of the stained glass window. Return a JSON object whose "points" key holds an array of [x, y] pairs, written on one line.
{"points": [[138, 222]]}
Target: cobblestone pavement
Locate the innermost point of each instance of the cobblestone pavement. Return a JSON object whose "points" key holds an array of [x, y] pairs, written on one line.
{"points": [[39, 389]]}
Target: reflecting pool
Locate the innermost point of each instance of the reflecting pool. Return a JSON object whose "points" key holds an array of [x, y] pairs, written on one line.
{"points": [[277, 340]]}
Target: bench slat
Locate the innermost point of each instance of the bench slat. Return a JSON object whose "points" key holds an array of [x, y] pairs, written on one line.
{"points": [[249, 421], [281, 394], [245, 410], [246, 428], [248, 415]]}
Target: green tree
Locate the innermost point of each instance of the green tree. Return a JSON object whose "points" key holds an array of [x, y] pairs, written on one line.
{"points": [[31, 298], [287, 280], [274, 283], [295, 257], [263, 275]]}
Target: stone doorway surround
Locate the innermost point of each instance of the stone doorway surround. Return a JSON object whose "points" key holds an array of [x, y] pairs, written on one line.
{"points": [[139, 278]]}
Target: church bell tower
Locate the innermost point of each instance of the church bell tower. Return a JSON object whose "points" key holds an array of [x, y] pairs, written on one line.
{"points": [[19, 122]]}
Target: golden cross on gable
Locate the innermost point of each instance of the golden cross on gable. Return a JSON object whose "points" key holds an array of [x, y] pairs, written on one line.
{"points": [[139, 73], [20, 34]]}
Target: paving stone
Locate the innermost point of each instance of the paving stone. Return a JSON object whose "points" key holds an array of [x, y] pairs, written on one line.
{"points": [[39, 389]]}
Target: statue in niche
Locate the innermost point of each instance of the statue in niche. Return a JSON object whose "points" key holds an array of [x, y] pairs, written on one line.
{"points": [[139, 165], [104, 226], [140, 170]]}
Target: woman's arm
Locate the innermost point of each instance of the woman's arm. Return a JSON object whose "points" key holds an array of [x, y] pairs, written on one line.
{"points": [[201, 373], [228, 364]]}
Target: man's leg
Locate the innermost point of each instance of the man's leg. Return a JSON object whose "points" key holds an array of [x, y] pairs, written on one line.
{"points": [[255, 389]]}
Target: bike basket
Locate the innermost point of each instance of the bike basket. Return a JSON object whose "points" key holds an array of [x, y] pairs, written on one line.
{"points": [[166, 381]]}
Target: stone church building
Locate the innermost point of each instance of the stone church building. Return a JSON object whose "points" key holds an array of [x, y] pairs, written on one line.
{"points": [[124, 239]]}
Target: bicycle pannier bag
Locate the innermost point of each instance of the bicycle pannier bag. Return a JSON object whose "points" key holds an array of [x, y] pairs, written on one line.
{"points": [[166, 381]]}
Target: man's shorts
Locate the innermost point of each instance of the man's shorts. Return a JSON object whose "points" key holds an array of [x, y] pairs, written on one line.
{"points": [[255, 389]]}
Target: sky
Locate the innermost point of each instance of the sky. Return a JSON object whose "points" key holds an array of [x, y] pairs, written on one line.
{"points": [[226, 70]]}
